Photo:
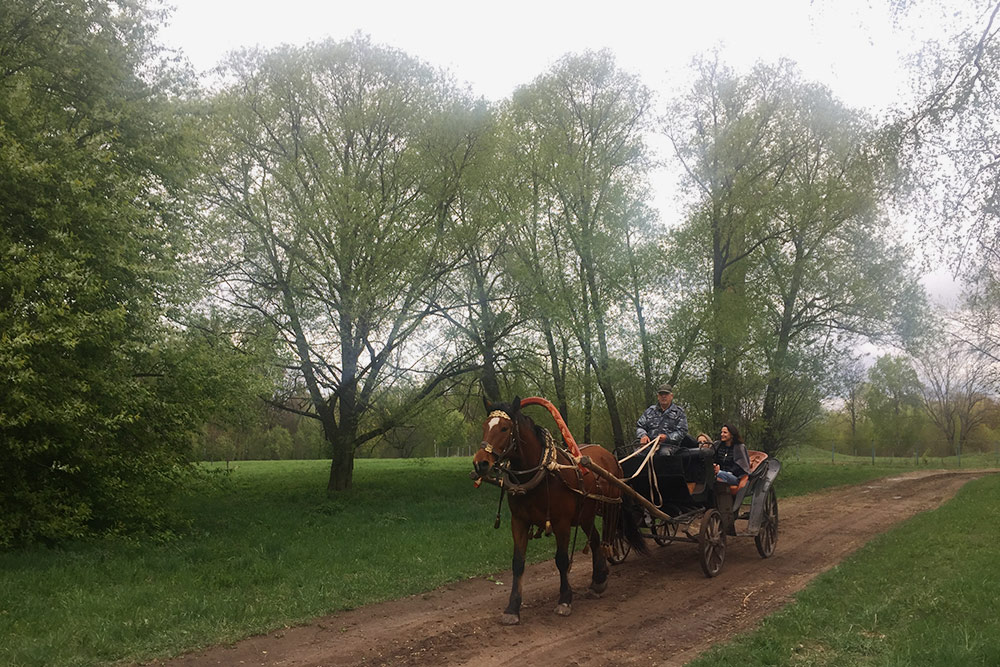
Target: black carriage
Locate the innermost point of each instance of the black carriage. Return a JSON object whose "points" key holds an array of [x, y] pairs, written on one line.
{"points": [[681, 501]]}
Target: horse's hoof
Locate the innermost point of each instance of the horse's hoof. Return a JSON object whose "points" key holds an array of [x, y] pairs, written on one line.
{"points": [[510, 619], [595, 594], [598, 588], [564, 609]]}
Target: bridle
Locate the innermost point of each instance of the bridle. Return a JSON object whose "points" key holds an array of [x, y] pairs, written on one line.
{"points": [[508, 451], [547, 458]]}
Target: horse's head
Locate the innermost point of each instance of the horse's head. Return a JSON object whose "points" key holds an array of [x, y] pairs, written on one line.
{"points": [[499, 435]]}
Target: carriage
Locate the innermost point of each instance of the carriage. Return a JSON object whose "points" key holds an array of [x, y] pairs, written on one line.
{"points": [[681, 501], [552, 490]]}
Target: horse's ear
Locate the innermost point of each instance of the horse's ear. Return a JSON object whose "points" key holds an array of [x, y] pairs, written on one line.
{"points": [[515, 404], [487, 404]]}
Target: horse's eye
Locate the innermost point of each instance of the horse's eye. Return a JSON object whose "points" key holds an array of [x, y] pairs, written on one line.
{"points": [[503, 429]]}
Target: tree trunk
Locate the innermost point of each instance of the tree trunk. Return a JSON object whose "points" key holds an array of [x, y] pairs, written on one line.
{"points": [[558, 370], [772, 436], [342, 465]]}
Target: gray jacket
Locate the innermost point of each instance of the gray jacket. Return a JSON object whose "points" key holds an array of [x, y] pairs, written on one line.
{"points": [[671, 422]]}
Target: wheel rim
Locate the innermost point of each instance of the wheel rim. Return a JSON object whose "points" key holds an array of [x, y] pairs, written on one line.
{"points": [[713, 543], [620, 549], [664, 532], [767, 536]]}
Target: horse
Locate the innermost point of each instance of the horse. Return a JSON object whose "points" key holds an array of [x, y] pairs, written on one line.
{"points": [[547, 490]]}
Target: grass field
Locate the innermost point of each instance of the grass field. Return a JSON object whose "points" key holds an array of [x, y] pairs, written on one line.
{"points": [[922, 594], [267, 548]]}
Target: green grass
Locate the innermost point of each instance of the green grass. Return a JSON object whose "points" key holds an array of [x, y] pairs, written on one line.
{"points": [[266, 549], [924, 593]]}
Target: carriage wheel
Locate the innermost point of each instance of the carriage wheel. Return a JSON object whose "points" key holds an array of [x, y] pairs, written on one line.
{"points": [[664, 532], [712, 541], [767, 537], [620, 549]]}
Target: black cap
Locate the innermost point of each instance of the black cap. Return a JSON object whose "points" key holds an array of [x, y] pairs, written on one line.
{"points": [[664, 389]]}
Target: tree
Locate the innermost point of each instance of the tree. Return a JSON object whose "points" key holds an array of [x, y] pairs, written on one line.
{"points": [[335, 169], [956, 390], [950, 138], [850, 383], [787, 224], [481, 300], [831, 239], [892, 403], [725, 133], [101, 396], [587, 117]]}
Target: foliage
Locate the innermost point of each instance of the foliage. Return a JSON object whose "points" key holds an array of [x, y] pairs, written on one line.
{"points": [[334, 168], [949, 137], [893, 403], [585, 120], [101, 396], [786, 231]]}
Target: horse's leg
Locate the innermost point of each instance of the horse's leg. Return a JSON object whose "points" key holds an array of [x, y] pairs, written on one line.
{"points": [[599, 578], [519, 530], [565, 606]]}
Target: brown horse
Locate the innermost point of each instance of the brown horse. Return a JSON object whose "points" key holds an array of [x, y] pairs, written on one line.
{"points": [[547, 490]]}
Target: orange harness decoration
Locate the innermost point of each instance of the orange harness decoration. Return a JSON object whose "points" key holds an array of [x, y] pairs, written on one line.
{"points": [[571, 445]]}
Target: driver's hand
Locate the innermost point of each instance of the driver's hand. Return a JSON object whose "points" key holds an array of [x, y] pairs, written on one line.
{"points": [[661, 438], [643, 440]]}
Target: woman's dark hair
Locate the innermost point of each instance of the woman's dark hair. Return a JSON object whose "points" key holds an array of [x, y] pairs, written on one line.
{"points": [[735, 432]]}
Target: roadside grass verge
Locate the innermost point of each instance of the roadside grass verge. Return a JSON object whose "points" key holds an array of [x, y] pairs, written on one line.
{"points": [[922, 594], [267, 548]]}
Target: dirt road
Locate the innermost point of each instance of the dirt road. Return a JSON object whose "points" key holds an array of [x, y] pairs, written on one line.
{"points": [[663, 599]]}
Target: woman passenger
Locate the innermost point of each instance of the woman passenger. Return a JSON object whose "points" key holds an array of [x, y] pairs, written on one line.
{"points": [[731, 458]]}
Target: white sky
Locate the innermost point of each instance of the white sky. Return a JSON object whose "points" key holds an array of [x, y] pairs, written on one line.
{"points": [[852, 46]]}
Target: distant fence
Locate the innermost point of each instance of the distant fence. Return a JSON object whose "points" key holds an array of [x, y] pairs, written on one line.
{"points": [[835, 452], [441, 451], [840, 452]]}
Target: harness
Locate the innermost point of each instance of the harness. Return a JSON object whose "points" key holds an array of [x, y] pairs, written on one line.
{"points": [[548, 464]]}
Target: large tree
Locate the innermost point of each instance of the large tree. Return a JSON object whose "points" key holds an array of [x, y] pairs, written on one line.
{"points": [[588, 118], [99, 396], [335, 172], [831, 239], [725, 131]]}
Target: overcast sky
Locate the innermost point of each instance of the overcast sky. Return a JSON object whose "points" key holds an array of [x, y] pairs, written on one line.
{"points": [[856, 47]]}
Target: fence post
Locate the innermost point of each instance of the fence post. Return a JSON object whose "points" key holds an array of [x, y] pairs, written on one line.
{"points": [[873, 451], [833, 451]]}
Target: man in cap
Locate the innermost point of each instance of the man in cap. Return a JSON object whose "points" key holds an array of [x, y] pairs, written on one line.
{"points": [[664, 422]]}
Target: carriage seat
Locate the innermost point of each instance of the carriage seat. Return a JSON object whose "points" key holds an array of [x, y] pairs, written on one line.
{"points": [[756, 458]]}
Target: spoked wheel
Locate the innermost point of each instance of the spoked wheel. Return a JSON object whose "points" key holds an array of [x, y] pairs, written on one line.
{"points": [[712, 541], [767, 536], [619, 548], [664, 532]]}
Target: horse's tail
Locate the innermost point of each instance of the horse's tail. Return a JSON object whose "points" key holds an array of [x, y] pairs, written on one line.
{"points": [[628, 524]]}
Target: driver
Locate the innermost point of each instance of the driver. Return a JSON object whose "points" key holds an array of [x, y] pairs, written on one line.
{"points": [[663, 421]]}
